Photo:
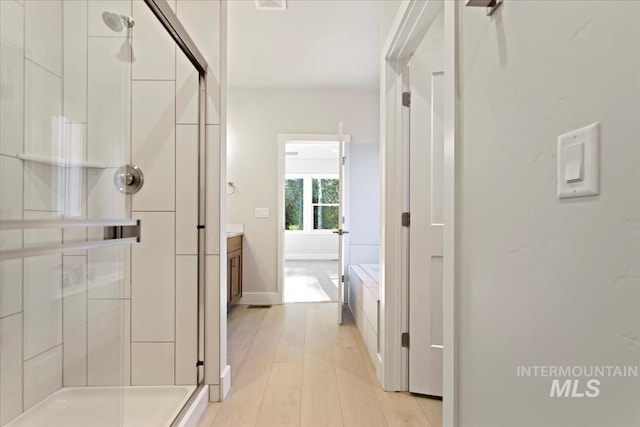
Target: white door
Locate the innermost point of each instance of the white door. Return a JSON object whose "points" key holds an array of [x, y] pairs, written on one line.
{"points": [[342, 232], [427, 217]]}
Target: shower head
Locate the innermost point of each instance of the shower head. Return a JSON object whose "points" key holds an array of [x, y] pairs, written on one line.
{"points": [[117, 22]]}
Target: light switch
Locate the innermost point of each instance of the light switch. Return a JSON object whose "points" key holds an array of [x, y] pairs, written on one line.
{"points": [[574, 162], [578, 163], [262, 212]]}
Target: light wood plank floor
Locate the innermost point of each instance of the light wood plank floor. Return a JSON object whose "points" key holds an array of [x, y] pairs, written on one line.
{"points": [[293, 365]]}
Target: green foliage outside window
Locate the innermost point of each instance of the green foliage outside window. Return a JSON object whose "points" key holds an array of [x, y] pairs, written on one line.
{"points": [[293, 203], [325, 199]]}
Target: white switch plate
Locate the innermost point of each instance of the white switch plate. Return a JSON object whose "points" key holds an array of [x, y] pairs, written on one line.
{"points": [[570, 154], [262, 212]]}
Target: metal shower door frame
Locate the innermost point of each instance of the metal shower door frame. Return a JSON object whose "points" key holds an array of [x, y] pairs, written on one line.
{"points": [[174, 27]]}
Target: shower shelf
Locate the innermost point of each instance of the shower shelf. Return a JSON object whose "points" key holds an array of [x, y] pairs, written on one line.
{"points": [[62, 162]]}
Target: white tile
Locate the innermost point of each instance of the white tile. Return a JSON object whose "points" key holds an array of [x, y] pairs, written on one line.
{"points": [[152, 363], [154, 48], [153, 133], [10, 208], [104, 201], [10, 239], [42, 296], [12, 77], [214, 306], [186, 319], [213, 190], [74, 339], [43, 119], [213, 99], [97, 27], [10, 188], [75, 358], [109, 345], [186, 189], [43, 33], [109, 272], [10, 287], [42, 376], [153, 278], [10, 367], [74, 39], [42, 303], [202, 21], [108, 93], [186, 90], [44, 187], [75, 191], [40, 236], [75, 206]]}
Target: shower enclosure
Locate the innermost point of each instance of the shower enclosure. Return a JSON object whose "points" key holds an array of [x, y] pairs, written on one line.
{"points": [[101, 213]]}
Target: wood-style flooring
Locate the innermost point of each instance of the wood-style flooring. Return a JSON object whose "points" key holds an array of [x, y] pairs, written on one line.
{"points": [[293, 365]]}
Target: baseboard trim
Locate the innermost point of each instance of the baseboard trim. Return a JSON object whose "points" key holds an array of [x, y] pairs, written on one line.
{"points": [[197, 409], [260, 298], [311, 257], [225, 382]]}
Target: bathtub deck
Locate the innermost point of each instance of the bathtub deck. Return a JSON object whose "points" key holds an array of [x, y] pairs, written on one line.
{"points": [[364, 301]]}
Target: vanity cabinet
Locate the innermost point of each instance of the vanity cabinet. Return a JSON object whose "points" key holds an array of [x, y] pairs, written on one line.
{"points": [[234, 270]]}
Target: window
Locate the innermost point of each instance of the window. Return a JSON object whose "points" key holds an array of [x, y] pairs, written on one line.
{"points": [[325, 201], [294, 204], [312, 202]]}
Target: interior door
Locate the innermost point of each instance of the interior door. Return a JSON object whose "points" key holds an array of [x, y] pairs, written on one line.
{"points": [[342, 232], [427, 221]]}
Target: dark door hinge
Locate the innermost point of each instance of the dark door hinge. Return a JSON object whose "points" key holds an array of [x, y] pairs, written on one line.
{"points": [[200, 363], [344, 160], [406, 99], [342, 278], [405, 339], [406, 219]]}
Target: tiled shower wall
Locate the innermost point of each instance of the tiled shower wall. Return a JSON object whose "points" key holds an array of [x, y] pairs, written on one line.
{"points": [[70, 85]]}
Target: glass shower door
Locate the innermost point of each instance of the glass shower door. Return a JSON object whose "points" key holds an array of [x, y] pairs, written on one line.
{"points": [[66, 230], [100, 254]]}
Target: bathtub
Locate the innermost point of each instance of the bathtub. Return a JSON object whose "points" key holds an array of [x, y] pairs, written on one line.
{"points": [[364, 303], [140, 406]]}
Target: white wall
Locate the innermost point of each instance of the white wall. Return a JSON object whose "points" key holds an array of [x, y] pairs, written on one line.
{"points": [[317, 246], [256, 117], [364, 203], [388, 11], [544, 281]]}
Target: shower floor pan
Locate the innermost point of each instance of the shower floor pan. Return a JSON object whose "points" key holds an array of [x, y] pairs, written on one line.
{"points": [[142, 406]]}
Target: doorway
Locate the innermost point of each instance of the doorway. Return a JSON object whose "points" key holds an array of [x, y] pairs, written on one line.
{"points": [[432, 25], [312, 188]]}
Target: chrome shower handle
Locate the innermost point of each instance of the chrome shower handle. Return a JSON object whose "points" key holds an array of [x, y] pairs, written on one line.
{"points": [[128, 179]]}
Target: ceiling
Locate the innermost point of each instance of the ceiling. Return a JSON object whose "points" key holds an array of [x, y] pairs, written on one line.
{"points": [[313, 44], [312, 150]]}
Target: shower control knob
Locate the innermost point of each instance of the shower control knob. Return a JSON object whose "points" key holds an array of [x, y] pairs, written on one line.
{"points": [[128, 179]]}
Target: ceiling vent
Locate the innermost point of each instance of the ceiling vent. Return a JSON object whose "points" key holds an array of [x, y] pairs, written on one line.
{"points": [[271, 4]]}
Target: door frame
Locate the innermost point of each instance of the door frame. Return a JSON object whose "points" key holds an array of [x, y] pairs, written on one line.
{"points": [[409, 27], [303, 138]]}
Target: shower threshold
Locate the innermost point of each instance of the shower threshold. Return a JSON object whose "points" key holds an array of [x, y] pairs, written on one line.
{"points": [[137, 406]]}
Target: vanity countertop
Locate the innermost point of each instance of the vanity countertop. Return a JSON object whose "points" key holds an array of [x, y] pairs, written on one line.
{"points": [[234, 234]]}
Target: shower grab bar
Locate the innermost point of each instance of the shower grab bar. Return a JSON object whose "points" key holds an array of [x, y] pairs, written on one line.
{"points": [[116, 233], [18, 224]]}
